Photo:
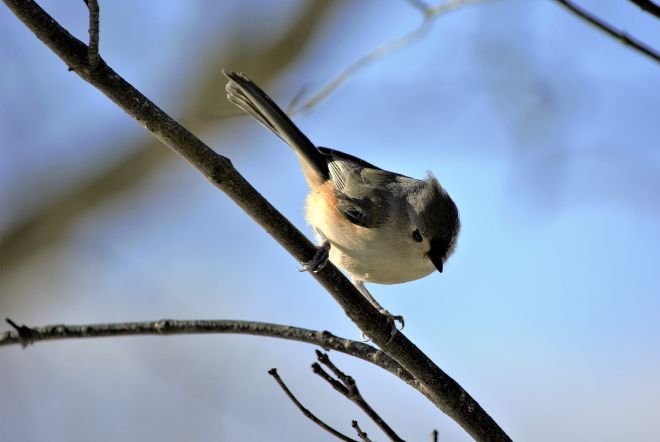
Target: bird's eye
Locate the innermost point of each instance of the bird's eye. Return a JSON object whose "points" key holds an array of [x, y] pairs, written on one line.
{"points": [[417, 236]]}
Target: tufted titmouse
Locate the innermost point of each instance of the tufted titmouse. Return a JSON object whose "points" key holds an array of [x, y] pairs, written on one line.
{"points": [[378, 226]]}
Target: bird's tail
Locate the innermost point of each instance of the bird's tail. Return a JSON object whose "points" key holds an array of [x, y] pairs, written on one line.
{"points": [[242, 92]]}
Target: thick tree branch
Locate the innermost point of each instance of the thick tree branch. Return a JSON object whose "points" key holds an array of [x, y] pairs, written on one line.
{"points": [[609, 29], [347, 387], [440, 388], [648, 6], [205, 96], [308, 414]]}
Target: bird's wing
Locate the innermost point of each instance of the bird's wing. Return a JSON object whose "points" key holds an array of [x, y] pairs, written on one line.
{"points": [[360, 188]]}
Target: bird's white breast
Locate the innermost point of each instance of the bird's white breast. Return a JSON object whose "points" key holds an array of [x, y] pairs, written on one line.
{"points": [[381, 255]]}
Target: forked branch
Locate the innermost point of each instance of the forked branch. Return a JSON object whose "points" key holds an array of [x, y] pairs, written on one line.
{"points": [[434, 383], [347, 387], [308, 414]]}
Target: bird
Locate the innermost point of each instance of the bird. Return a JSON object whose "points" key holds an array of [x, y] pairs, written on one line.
{"points": [[378, 226]]}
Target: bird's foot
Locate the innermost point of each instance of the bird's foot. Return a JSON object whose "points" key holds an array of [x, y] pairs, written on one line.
{"points": [[391, 319], [319, 260], [391, 322]]}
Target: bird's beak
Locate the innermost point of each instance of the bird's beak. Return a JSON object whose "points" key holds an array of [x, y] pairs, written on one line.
{"points": [[436, 259]]}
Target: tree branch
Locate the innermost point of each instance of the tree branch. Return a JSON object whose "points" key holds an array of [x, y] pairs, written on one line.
{"points": [[25, 336], [347, 387], [450, 5], [376, 54], [48, 222], [361, 434], [648, 6], [440, 388], [430, 14], [93, 55], [609, 29], [308, 414]]}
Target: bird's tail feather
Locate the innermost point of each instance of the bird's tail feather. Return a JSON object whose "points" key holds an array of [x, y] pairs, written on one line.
{"points": [[245, 94]]}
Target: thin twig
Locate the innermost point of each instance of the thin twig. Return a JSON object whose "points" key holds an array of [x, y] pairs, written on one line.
{"points": [[23, 334], [361, 434], [337, 385], [94, 32], [434, 383], [430, 14], [348, 388], [308, 414], [362, 62], [419, 4], [451, 5], [648, 6], [609, 29]]}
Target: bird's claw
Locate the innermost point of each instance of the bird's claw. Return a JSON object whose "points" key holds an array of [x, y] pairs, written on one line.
{"points": [[391, 321], [320, 259]]}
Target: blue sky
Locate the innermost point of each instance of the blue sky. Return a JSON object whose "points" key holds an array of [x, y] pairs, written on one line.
{"points": [[544, 131]]}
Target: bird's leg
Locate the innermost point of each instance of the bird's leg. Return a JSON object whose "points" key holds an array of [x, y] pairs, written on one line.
{"points": [[320, 259], [391, 319]]}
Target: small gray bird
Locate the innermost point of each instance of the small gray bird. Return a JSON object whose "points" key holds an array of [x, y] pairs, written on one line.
{"points": [[378, 226]]}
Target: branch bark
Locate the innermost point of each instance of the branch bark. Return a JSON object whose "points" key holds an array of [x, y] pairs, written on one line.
{"points": [[93, 55], [347, 387], [205, 96], [648, 6], [440, 388], [609, 29], [361, 434], [25, 336]]}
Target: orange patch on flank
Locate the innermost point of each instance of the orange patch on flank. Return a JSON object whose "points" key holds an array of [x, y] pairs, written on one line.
{"points": [[321, 204], [327, 197], [321, 212]]}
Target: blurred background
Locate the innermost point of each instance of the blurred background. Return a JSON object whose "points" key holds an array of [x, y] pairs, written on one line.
{"points": [[545, 131]]}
